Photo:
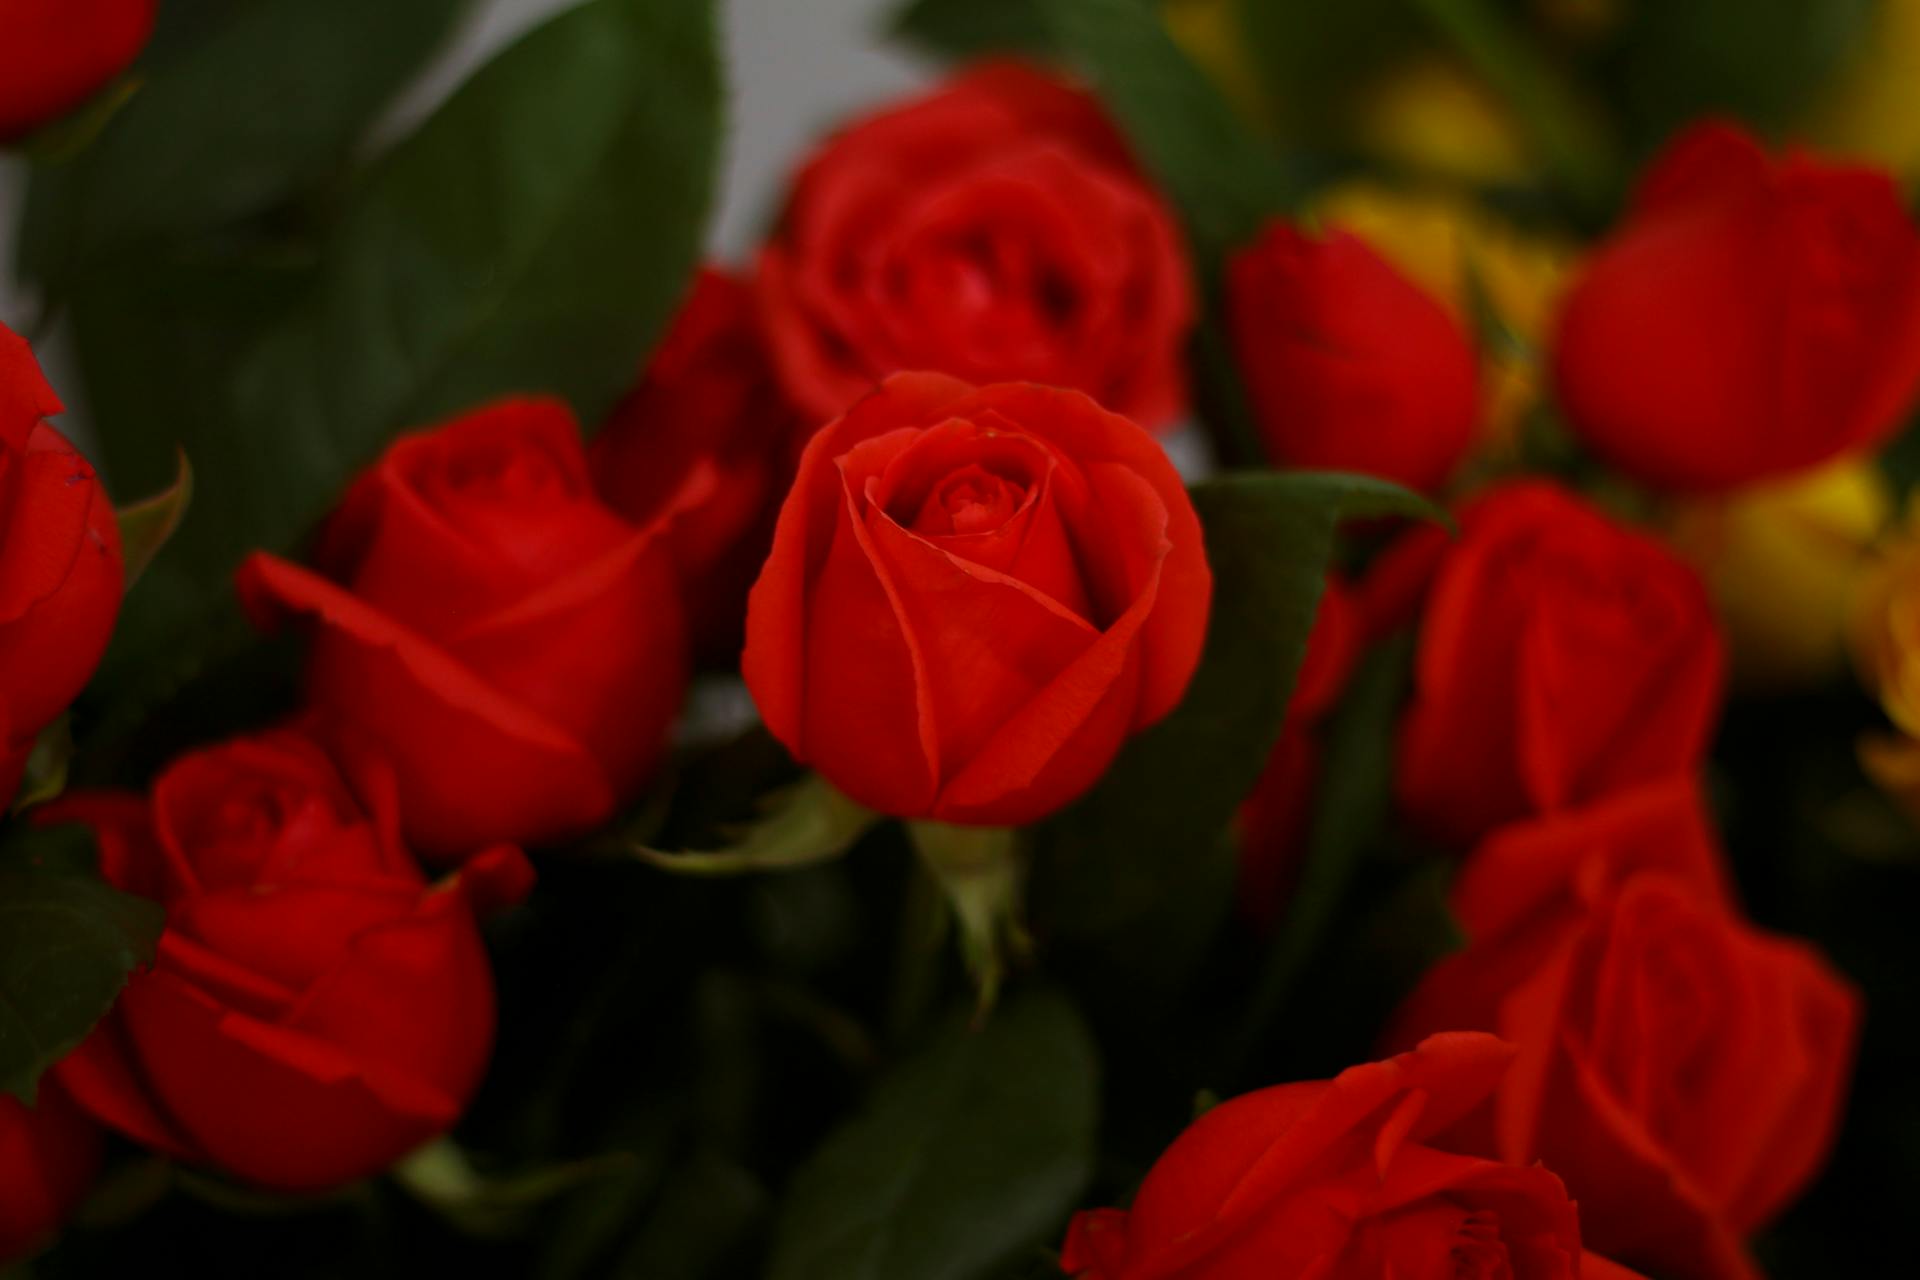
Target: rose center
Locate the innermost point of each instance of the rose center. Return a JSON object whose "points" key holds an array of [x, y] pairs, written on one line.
{"points": [[971, 500], [1478, 1251]]}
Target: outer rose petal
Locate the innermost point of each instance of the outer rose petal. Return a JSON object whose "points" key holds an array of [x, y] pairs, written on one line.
{"points": [[473, 766], [25, 396], [55, 53], [276, 1107]]}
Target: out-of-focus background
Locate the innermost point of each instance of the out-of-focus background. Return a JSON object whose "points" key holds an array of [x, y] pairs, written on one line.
{"points": [[796, 66]]}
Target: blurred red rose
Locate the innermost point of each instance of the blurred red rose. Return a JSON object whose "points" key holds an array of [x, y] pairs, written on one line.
{"points": [[1561, 657], [54, 54], [707, 439], [1683, 1071], [315, 1009], [994, 230], [487, 626], [1339, 1178], [48, 1156], [60, 570], [1750, 316], [974, 597], [1277, 818], [1349, 364]]}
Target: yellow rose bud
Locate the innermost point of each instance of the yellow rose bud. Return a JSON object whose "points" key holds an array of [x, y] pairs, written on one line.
{"points": [[1445, 242], [1784, 562], [1873, 110], [1433, 116]]}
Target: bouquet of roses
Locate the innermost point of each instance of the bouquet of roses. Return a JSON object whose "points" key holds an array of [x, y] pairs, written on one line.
{"points": [[1258, 641]]}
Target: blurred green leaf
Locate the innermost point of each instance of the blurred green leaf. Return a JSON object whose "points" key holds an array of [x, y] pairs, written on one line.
{"points": [[146, 525], [965, 1155], [45, 775], [799, 826], [1312, 58], [972, 28], [1155, 820], [1221, 177], [533, 235], [67, 944], [260, 104]]}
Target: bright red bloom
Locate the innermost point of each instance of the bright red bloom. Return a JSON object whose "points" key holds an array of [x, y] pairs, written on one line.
{"points": [[1340, 1180], [60, 569], [54, 54], [486, 626], [315, 1009], [1751, 316], [994, 230], [1349, 364], [974, 597], [1562, 656]]}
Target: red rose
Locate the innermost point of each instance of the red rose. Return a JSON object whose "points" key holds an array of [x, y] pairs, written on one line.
{"points": [[315, 1009], [1339, 1179], [511, 647], [1349, 364], [1277, 818], [1561, 657], [55, 53], [48, 1156], [1750, 317], [994, 230], [60, 569], [974, 597], [1682, 1070], [707, 439]]}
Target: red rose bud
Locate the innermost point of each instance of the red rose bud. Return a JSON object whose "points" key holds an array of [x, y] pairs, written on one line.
{"points": [[1350, 365], [54, 54], [974, 597], [1751, 316], [1683, 1071], [486, 626], [48, 1156], [60, 570], [1561, 657], [707, 439], [1340, 1178], [315, 1010], [1277, 818], [994, 230]]}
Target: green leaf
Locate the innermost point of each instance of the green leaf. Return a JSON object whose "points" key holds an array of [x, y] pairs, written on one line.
{"points": [[67, 944], [265, 102], [1222, 178], [45, 775], [972, 28], [1157, 818], [803, 825], [965, 1155], [533, 235], [147, 525]]}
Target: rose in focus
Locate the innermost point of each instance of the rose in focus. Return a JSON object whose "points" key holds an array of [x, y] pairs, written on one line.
{"points": [[60, 566], [974, 597], [315, 1010], [487, 627], [995, 230], [1341, 1178]]}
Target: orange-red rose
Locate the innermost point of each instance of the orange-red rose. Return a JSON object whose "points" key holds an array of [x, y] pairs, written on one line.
{"points": [[1751, 316], [60, 567], [994, 230], [55, 53], [1341, 1180], [1682, 1070], [1349, 364], [974, 597], [491, 630], [1561, 657], [315, 1009]]}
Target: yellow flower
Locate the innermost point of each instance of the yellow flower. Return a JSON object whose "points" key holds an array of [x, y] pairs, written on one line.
{"points": [[1784, 562], [1886, 653], [1873, 111], [1445, 243], [1432, 116]]}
